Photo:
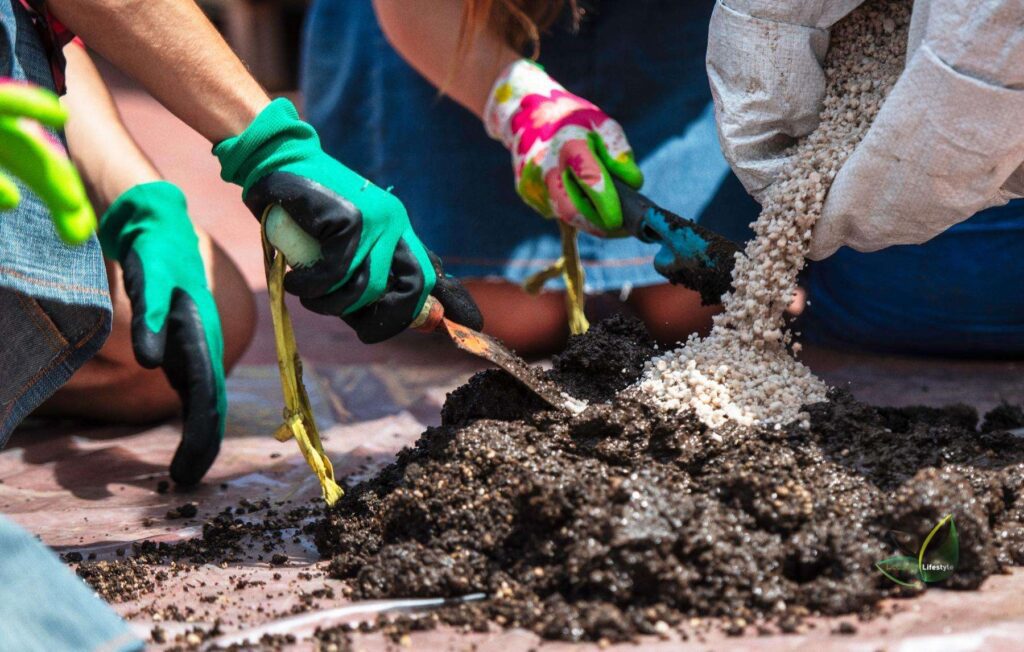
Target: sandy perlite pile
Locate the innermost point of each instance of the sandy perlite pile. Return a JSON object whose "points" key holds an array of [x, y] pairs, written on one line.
{"points": [[743, 370]]}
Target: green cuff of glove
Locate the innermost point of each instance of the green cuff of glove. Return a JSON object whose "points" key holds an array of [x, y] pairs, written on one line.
{"points": [[274, 139], [135, 211]]}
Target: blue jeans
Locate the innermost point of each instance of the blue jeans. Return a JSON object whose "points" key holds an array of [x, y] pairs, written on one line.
{"points": [[44, 607], [54, 315], [642, 61], [958, 294], [54, 302]]}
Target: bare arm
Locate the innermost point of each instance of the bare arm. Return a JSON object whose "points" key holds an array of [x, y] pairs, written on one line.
{"points": [[171, 48], [426, 34], [99, 144]]}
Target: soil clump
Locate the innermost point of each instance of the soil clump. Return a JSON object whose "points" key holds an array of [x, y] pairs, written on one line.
{"points": [[625, 519]]}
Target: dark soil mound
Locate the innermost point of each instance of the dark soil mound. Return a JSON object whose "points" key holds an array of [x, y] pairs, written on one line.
{"points": [[624, 520]]}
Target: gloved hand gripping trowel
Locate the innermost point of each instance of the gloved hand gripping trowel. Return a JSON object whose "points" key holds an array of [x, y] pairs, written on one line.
{"points": [[690, 255], [301, 249]]}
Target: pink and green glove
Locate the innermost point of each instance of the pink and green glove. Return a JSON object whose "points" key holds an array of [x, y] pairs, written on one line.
{"points": [[30, 153], [564, 149]]}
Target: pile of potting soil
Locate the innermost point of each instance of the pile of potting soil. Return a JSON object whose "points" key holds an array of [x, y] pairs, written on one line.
{"points": [[627, 520]]}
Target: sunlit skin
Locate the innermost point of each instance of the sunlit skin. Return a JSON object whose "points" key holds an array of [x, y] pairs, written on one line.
{"points": [[428, 40]]}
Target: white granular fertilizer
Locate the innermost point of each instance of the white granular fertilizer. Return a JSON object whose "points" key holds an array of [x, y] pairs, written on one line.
{"points": [[743, 371]]}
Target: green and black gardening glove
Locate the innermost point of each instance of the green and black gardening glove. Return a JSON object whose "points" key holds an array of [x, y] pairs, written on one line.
{"points": [[374, 272], [175, 325]]}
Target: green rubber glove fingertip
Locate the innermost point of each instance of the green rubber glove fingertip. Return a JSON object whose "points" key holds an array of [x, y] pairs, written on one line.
{"points": [[76, 228], [602, 208], [623, 167], [10, 196], [580, 199], [628, 171]]}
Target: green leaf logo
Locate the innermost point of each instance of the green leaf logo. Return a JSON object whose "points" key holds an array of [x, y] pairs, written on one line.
{"points": [[940, 552], [936, 559], [902, 570]]}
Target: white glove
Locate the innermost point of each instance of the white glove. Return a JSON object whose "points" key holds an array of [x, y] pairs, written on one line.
{"points": [[765, 67], [949, 140]]}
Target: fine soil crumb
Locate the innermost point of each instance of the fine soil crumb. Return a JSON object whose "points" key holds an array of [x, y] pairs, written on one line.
{"points": [[158, 634], [628, 520], [743, 371], [229, 536], [188, 510], [117, 581], [846, 628]]}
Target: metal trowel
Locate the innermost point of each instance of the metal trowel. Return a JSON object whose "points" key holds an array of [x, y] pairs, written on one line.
{"points": [[691, 255], [432, 318], [299, 248]]}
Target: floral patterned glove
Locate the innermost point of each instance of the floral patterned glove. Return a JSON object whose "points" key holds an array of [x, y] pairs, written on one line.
{"points": [[564, 149]]}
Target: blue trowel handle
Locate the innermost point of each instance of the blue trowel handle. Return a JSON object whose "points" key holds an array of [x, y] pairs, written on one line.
{"points": [[634, 208], [690, 255]]}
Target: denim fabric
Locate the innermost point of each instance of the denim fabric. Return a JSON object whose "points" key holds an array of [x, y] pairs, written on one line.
{"points": [[54, 301], [958, 294], [642, 61], [44, 607]]}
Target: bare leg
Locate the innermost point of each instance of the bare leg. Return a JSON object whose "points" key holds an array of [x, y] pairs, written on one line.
{"points": [[536, 325], [671, 313], [113, 387], [530, 325]]}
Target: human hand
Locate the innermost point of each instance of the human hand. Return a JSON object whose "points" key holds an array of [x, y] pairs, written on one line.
{"points": [[31, 154], [175, 323], [373, 271], [946, 143], [564, 149], [765, 68]]}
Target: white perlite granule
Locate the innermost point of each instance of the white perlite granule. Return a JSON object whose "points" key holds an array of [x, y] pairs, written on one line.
{"points": [[743, 371]]}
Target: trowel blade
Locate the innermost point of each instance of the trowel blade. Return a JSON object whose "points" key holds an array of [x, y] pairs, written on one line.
{"points": [[494, 351]]}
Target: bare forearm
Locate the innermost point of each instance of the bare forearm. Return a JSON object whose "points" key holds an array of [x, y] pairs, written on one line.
{"points": [[426, 34], [99, 144], [171, 48]]}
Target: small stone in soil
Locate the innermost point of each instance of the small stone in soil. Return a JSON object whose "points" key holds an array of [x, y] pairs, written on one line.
{"points": [[158, 634], [188, 510], [845, 628]]}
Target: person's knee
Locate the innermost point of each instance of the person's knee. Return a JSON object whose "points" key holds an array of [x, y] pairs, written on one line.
{"points": [[672, 313], [148, 396], [142, 396], [528, 324]]}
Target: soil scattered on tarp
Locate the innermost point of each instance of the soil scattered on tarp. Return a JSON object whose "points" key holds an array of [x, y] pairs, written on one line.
{"points": [[624, 520], [119, 580]]}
